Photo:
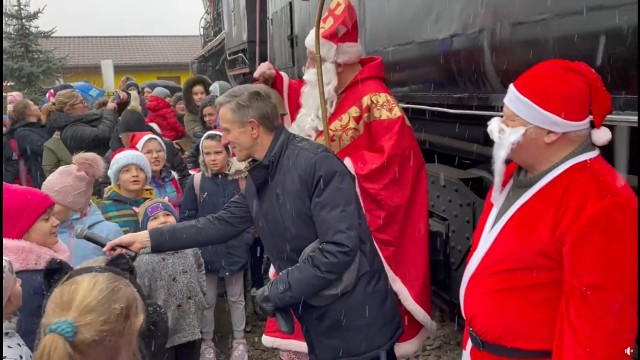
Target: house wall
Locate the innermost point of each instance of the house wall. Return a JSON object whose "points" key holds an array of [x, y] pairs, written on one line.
{"points": [[95, 77]]}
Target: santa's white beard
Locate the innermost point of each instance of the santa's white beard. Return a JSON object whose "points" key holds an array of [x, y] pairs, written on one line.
{"points": [[309, 120], [505, 139]]}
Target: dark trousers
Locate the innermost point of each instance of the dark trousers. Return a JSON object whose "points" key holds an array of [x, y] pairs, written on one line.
{"points": [[256, 259], [185, 351]]}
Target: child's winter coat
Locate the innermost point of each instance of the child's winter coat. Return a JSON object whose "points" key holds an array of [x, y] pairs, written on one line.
{"points": [[161, 114], [176, 281], [13, 347], [80, 249], [118, 208], [166, 185], [213, 194], [29, 261]]}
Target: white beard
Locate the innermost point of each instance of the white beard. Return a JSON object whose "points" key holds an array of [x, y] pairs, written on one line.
{"points": [[505, 139], [309, 120]]}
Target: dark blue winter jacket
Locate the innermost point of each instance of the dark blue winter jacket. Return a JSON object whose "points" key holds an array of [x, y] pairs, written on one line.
{"points": [[214, 193]]}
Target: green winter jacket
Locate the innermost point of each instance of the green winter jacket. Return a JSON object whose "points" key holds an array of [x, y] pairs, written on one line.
{"points": [[54, 155]]}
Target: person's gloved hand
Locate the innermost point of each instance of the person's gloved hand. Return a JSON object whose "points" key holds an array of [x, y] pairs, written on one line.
{"points": [[263, 302]]}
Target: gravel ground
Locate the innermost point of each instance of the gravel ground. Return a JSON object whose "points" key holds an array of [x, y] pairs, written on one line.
{"points": [[445, 345]]}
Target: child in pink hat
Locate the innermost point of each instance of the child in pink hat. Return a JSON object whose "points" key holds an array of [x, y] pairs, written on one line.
{"points": [[71, 187], [30, 240]]}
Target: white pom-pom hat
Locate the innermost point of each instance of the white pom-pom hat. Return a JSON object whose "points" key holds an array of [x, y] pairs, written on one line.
{"points": [[559, 95]]}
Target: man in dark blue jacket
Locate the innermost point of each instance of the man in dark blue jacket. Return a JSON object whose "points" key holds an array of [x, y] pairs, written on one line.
{"points": [[303, 202]]}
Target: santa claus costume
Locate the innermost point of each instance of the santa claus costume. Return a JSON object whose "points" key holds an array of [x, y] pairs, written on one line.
{"points": [[552, 272], [369, 131]]}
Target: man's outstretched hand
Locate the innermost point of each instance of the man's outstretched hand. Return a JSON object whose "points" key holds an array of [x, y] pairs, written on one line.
{"points": [[134, 242]]}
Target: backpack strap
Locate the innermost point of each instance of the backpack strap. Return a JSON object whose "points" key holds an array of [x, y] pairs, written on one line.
{"points": [[22, 167], [196, 184]]}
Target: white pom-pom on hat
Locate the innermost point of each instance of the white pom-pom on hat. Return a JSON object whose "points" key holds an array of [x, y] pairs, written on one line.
{"points": [[601, 136]]}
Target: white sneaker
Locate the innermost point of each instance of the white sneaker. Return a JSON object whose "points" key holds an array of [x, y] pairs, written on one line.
{"points": [[208, 350], [240, 350]]}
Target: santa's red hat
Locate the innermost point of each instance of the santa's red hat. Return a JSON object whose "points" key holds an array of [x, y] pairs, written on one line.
{"points": [[338, 34], [558, 95]]}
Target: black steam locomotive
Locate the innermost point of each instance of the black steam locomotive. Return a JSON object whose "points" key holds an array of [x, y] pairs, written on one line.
{"points": [[449, 64]]}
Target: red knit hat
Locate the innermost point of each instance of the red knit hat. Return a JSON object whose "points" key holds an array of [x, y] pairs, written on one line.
{"points": [[21, 208], [338, 34], [558, 95]]}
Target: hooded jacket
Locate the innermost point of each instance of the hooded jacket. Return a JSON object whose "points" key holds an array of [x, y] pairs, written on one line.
{"points": [[30, 138], [191, 120], [29, 261], [90, 132], [232, 257], [161, 114], [80, 249]]}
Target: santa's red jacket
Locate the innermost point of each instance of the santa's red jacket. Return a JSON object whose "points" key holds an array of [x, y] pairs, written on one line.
{"points": [[369, 131], [559, 270]]}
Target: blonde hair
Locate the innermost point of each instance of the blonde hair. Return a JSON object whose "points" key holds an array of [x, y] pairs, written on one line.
{"points": [[105, 309], [63, 99], [134, 102], [20, 110]]}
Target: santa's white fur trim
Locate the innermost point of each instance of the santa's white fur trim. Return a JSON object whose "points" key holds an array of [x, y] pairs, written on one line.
{"points": [[601, 136], [538, 116], [396, 284], [344, 53], [284, 344], [272, 272], [411, 346]]}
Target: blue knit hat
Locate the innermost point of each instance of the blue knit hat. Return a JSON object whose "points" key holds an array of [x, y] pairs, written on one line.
{"points": [[124, 157], [153, 207]]}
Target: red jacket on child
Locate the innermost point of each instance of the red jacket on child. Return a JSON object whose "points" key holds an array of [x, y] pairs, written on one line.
{"points": [[161, 114]]}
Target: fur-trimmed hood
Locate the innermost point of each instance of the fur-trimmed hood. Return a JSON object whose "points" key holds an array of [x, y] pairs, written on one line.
{"points": [[237, 169], [187, 91], [26, 255]]}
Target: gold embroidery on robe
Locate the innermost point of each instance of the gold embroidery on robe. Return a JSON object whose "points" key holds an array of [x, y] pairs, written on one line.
{"points": [[348, 126]]}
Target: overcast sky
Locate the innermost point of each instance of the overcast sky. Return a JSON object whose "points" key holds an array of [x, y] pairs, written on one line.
{"points": [[121, 17]]}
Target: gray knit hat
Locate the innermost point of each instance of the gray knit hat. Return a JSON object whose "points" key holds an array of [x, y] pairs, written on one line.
{"points": [[124, 157], [219, 87], [161, 92]]}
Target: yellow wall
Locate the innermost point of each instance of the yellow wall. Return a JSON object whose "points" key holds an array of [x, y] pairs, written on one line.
{"points": [[95, 78]]}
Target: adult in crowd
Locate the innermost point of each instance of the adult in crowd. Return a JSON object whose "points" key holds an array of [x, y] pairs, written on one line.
{"points": [[177, 104], [133, 87], [303, 202], [571, 275], [371, 134], [81, 129], [208, 115], [195, 89], [29, 134], [10, 164]]}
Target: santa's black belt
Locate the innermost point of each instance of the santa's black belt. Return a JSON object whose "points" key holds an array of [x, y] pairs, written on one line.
{"points": [[505, 351]]}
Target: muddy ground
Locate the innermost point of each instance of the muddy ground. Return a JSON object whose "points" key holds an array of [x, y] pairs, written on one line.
{"points": [[445, 345]]}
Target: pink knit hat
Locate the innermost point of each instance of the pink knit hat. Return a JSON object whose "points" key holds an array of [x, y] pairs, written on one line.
{"points": [[72, 185]]}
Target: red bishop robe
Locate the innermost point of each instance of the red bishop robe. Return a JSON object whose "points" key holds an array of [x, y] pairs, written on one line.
{"points": [[559, 270], [370, 131]]}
